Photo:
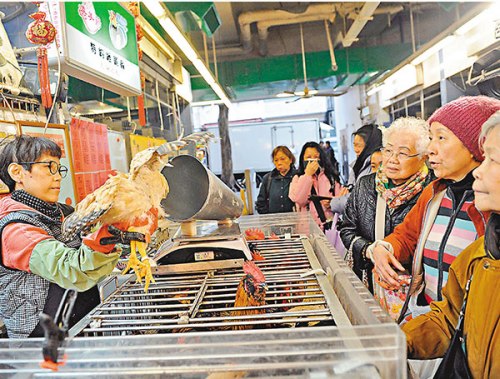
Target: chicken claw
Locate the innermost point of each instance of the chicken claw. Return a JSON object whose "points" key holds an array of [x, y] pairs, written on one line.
{"points": [[133, 263], [145, 266]]}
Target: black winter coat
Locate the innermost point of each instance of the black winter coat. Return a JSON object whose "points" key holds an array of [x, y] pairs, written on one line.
{"points": [[273, 193], [358, 219]]}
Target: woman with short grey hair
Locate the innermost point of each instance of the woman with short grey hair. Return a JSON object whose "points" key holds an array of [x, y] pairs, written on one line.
{"points": [[396, 185]]}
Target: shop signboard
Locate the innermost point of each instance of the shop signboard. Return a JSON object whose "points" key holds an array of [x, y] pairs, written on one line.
{"points": [[97, 44]]}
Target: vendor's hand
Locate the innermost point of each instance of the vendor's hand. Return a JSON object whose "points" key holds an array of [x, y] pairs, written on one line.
{"points": [[383, 260], [120, 236], [311, 168]]}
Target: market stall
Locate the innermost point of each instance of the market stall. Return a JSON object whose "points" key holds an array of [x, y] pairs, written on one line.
{"points": [[317, 319]]}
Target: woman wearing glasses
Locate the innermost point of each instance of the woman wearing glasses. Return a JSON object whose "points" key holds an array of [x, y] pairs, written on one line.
{"points": [[36, 264], [397, 184], [445, 219]]}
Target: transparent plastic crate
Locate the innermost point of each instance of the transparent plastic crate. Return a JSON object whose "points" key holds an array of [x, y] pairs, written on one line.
{"points": [[372, 352]]}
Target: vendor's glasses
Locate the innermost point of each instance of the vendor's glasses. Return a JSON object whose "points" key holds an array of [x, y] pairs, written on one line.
{"points": [[400, 155], [53, 166]]}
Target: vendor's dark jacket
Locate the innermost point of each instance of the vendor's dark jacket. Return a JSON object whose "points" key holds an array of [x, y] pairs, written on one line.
{"points": [[358, 219], [273, 193]]}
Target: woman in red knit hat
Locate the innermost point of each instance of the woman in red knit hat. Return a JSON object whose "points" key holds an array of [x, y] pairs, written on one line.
{"points": [[444, 221], [474, 275]]}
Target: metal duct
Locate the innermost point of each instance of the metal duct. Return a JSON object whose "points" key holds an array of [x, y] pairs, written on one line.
{"points": [[196, 193], [263, 26], [274, 17]]}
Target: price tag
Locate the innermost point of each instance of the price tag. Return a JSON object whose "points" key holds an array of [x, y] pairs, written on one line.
{"points": [[204, 256]]}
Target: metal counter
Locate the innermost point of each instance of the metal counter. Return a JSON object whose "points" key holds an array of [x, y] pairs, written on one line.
{"points": [[318, 321]]}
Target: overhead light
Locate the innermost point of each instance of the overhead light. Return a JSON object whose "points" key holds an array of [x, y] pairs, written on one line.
{"points": [[432, 50], [285, 94], [219, 92], [375, 89], [488, 15], [178, 38], [156, 8], [204, 71]]}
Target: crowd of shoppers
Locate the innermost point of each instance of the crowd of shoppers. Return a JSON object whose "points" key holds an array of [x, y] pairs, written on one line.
{"points": [[422, 216]]}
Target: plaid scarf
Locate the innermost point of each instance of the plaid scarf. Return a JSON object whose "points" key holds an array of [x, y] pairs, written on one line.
{"points": [[396, 196], [52, 215]]}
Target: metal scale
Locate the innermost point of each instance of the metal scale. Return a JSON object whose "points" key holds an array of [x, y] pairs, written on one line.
{"points": [[208, 237]]}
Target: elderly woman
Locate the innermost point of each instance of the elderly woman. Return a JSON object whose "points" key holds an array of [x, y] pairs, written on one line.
{"points": [[273, 193], [445, 220], [396, 186], [430, 335]]}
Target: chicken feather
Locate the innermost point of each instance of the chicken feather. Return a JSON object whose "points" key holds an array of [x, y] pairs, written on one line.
{"points": [[130, 201]]}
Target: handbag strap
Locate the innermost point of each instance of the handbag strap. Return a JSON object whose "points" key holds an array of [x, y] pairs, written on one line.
{"points": [[318, 206], [380, 218]]}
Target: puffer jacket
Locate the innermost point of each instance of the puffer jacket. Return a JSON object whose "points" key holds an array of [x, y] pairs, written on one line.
{"points": [[358, 219], [273, 193]]}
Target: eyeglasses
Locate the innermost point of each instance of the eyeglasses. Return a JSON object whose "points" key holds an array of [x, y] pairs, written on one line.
{"points": [[53, 166], [401, 156]]}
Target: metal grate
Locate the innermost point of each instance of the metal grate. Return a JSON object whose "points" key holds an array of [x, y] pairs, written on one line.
{"points": [[205, 301]]}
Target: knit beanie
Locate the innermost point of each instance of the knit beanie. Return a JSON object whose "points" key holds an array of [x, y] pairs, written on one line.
{"points": [[465, 117]]}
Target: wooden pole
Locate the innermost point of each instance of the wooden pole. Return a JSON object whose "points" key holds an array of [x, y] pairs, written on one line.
{"points": [[225, 147]]}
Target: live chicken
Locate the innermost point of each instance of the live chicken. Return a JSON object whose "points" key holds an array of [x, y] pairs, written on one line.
{"points": [[251, 292], [131, 202]]}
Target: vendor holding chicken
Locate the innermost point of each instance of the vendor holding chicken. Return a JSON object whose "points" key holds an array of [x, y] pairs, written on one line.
{"points": [[37, 263]]}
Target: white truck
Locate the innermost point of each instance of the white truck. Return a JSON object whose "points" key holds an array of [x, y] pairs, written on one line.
{"points": [[253, 143]]}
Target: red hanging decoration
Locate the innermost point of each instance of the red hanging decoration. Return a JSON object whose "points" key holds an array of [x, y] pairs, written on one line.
{"points": [[133, 7], [140, 103], [42, 32]]}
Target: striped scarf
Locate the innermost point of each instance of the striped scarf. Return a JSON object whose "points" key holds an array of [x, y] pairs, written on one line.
{"points": [[397, 196]]}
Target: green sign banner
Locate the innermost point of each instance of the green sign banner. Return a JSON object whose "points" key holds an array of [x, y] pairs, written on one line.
{"points": [[107, 23]]}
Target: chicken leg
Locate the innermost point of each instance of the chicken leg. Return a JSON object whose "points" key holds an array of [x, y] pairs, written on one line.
{"points": [[142, 269], [133, 263], [145, 266]]}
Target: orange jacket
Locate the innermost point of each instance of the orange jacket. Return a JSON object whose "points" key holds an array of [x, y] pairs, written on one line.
{"points": [[405, 236], [429, 335]]}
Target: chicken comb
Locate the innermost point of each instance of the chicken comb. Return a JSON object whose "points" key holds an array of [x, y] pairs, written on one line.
{"points": [[250, 268]]}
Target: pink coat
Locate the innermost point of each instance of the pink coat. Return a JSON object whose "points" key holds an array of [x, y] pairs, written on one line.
{"points": [[300, 190]]}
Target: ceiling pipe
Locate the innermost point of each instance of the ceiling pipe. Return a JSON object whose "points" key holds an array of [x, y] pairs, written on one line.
{"points": [[364, 15], [245, 19], [263, 26]]}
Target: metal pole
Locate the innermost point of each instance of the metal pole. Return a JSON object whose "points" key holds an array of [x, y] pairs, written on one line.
{"points": [[412, 29], [205, 47], [216, 71]]}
